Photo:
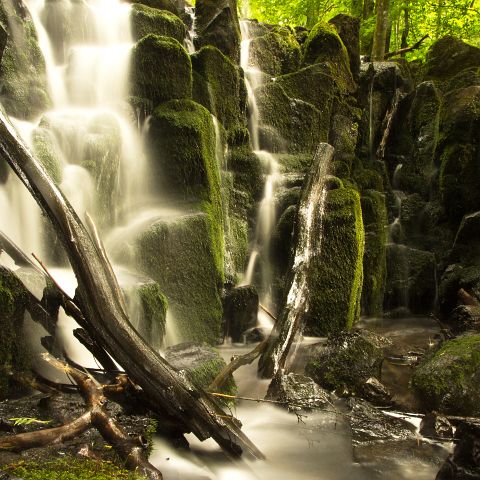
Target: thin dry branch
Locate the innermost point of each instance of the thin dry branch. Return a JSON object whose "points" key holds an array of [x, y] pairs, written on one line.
{"points": [[402, 51]]}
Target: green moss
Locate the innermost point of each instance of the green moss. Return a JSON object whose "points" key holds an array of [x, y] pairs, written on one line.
{"points": [[336, 273], [275, 53], [69, 469], [161, 70], [368, 179], [447, 379], [23, 86], [14, 356], [295, 125], [374, 260], [299, 163], [146, 20], [218, 86], [179, 254], [46, 150]]}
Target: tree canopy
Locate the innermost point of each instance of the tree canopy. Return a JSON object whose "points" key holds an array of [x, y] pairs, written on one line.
{"points": [[408, 20]]}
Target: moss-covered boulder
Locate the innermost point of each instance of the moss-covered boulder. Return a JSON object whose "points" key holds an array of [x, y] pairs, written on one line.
{"points": [[410, 279], [374, 215], [186, 260], [46, 149], [147, 309], [217, 24], [336, 269], [448, 56], [23, 85], [348, 29], [14, 356], [466, 248], [448, 379], [240, 309], [161, 70], [172, 6], [146, 20], [293, 125], [218, 85], [348, 361], [325, 45], [275, 53], [200, 363]]}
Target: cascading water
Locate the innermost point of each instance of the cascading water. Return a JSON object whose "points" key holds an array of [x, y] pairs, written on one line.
{"points": [[266, 216]]}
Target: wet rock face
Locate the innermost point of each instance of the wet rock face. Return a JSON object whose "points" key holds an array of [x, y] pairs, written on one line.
{"points": [[298, 392], [436, 426], [410, 279], [200, 363], [240, 309], [217, 24], [348, 361], [448, 379], [464, 463]]}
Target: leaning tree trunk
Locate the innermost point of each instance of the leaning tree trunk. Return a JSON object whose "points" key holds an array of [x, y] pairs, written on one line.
{"points": [[381, 28], [107, 321]]}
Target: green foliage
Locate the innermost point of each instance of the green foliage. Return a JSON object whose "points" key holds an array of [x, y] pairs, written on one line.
{"points": [[70, 469], [28, 421]]}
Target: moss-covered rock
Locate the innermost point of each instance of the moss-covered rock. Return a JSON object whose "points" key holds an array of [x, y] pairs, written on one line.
{"points": [[448, 56], [146, 20], [201, 364], [46, 150], [69, 469], [14, 356], [275, 53], [324, 45], [348, 361], [23, 85], [447, 380], [335, 274], [218, 85], [169, 5], [217, 24], [466, 248], [161, 70], [147, 308], [294, 125], [185, 259], [374, 214], [348, 29], [410, 279]]}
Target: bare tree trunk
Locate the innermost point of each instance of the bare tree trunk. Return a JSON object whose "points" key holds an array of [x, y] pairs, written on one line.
{"points": [[108, 324], [381, 27], [406, 28]]}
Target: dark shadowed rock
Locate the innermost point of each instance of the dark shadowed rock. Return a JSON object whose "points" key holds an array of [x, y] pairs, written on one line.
{"points": [[435, 426], [240, 309], [217, 24], [297, 391]]}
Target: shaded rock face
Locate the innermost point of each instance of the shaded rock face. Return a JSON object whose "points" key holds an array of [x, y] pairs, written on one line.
{"points": [[464, 463], [217, 24], [348, 361], [240, 309], [450, 55], [436, 426], [448, 379], [200, 363], [298, 392]]}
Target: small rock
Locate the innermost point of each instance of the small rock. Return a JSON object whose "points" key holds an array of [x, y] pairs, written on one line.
{"points": [[240, 309], [434, 426], [298, 391], [377, 393]]}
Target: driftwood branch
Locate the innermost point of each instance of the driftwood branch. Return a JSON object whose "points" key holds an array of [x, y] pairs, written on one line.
{"points": [[237, 362], [402, 51], [129, 449], [105, 318]]}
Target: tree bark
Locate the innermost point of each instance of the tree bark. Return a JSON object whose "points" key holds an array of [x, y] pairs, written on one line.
{"points": [[381, 26], [107, 322]]}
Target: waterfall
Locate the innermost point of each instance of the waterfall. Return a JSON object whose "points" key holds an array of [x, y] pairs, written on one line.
{"points": [[260, 251], [189, 41]]}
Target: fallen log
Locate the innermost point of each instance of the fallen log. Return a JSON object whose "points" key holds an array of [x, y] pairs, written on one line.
{"points": [[290, 322], [106, 321], [402, 51]]}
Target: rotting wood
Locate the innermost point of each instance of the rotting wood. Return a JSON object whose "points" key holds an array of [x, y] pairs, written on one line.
{"points": [[131, 450], [106, 321]]}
